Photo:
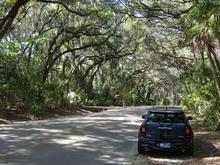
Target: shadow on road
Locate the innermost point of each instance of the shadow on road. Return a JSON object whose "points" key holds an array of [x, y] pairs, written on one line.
{"points": [[207, 151], [105, 138]]}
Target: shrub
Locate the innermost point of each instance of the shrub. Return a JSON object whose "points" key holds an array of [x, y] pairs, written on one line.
{"points": [[204, 104]]}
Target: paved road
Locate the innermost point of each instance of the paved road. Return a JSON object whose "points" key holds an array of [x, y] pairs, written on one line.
{"points": [[96, 139]]}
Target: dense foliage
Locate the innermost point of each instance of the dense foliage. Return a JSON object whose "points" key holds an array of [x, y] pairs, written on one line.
{"points": [[203, 30], [60, 54]]}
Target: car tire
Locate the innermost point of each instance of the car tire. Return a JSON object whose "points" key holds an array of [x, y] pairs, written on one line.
{"points": [[189, 151], [141, 150]]}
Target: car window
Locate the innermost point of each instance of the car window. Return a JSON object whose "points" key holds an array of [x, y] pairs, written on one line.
{"points": [[166, 118]]}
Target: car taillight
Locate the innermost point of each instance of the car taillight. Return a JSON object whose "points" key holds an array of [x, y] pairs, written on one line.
{"points": [[187, 132], [142, 131]]}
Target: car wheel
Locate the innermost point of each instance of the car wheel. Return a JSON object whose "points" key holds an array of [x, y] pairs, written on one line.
{"points": [[141, 150]]}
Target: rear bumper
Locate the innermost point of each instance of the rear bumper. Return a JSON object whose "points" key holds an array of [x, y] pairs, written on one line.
{"points": [[175, 145]]}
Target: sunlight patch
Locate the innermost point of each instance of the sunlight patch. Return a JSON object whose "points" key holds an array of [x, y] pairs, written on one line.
{"points": [[48, 130], [73, 140], [166, 161]]}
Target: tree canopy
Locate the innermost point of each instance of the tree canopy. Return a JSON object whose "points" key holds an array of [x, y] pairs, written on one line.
{"points": [[61, 54]]}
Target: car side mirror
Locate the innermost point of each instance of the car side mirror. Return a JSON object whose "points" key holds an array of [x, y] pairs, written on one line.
{"points": [[144, 116], [189, 118]]}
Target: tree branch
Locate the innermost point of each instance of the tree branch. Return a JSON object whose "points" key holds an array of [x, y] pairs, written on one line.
{"points": [[6, 22], [67, 8]]}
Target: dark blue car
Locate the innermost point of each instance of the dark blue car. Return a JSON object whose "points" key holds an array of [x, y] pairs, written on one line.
{"points": [[165, 130]]}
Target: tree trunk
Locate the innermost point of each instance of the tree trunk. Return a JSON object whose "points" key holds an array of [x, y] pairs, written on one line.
{"points": [[214, 72], [149, 93], [215, 58], [204, 76], [6, 22]]}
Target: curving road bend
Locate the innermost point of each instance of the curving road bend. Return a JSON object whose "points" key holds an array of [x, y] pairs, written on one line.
{"points": [[96, 139]]}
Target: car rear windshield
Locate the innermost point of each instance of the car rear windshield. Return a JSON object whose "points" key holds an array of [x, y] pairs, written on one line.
{"points": [[166, 118]]}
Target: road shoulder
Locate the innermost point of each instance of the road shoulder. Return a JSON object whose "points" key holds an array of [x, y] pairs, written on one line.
{"points": [[207, 151]]}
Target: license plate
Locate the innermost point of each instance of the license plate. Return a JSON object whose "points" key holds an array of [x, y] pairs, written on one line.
{"points": [[165, 145]]}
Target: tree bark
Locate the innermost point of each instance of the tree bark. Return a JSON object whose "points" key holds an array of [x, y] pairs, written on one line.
{"points": [[214, 72], [6, 22], [215, 58]]}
